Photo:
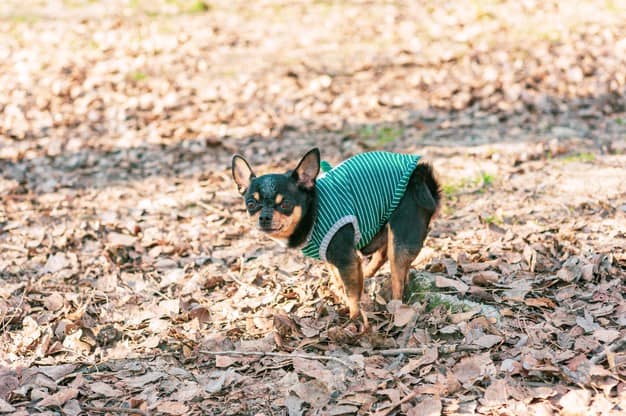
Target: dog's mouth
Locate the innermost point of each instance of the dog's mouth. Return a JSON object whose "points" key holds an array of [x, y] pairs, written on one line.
{"points": [[270, 229]]}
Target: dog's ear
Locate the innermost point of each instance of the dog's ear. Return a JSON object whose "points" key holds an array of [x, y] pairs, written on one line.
{"points": [[242, 173], [307, 170]]}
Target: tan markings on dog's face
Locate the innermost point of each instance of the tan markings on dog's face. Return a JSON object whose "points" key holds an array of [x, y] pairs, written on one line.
{"points": [[286, 224], [278, 199], [256, 196]]}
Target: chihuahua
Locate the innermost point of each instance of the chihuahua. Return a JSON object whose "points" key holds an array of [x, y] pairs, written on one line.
{"points": [[377, 203]]}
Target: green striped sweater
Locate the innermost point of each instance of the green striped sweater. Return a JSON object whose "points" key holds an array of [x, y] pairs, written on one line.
{"points": [[363, 191]]}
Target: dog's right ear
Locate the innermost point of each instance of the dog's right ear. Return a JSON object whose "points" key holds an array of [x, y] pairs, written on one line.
{"points": [[242, 173], [308, 169]]}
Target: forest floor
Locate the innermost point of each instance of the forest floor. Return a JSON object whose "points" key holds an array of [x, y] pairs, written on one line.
{"points": [[131, 281]]}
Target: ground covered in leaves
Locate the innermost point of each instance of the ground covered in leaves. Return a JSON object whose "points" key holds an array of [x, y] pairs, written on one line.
{"points": [[132, 283]]}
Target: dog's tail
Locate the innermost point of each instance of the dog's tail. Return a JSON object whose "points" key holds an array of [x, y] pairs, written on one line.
{"points": [[428, 188]]}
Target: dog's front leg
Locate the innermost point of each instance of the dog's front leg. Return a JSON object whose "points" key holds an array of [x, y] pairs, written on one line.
{"points": [[342, 254]]}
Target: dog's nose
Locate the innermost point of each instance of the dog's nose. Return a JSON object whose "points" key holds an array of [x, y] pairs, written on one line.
{"points": [[265, 219]]}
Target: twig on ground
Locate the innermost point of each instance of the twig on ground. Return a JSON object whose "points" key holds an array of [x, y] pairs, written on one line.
{"points": [[443, 349], [398, 351], [279, 354], [115, 410]]}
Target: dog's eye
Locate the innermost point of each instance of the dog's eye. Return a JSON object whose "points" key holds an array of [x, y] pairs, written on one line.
{"points": [[286, 205], [251, 204]]}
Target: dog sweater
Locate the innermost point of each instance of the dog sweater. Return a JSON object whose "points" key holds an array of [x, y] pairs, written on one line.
{"points": [[363, 190]]}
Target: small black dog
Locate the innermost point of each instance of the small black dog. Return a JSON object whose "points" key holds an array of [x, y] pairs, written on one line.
{"points": [[378, 203]]}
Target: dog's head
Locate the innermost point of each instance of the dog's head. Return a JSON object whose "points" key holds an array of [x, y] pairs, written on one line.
{"points": [[277, 202]]}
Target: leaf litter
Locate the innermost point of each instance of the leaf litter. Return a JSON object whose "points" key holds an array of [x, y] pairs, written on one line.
{"points": [[132, 282]]}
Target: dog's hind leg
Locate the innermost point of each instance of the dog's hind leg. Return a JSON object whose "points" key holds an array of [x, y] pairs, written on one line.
{"points": [[408, 226], [378, 259]]}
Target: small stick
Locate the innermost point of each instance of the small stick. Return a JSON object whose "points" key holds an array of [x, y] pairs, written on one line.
{"points": [[399, 351], [278, 354], [443, 349], [115, 410]]}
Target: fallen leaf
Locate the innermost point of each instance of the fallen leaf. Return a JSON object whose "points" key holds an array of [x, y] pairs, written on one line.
{"points": [[429, 357], [54, 302], [172, 408], [441, 281], [496, 393], [429, 406], [55, 263], [575, 402], [485, 278], [5, 407], [606, 335], [403, 315], [147, 378], [121, 240], [571, 270], [59, 398], [472, 368], [487, 341], [294, 405], [72, 408], [313, 392], [540, 302], [104, 389]]}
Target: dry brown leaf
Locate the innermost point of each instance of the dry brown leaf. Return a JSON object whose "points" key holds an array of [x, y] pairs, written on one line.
{"points": [[487, 341], [456, 318], [54, 302], [430, 406], [170, 407], [496, 393], [485, 278], [540, 302], [571, 270], [441, 281], [104, 389], [575, 402], [429, 357], [55, 263], [59, 398], [122, 240], [472, 368], [147, 378], [5, 407], [606, 335], [313, 392]]}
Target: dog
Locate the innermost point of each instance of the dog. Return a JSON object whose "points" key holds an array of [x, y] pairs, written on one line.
{"points": [[377, 203]]}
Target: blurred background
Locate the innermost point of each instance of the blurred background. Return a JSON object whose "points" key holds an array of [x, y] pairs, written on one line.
{"points": [[82, 79], [118, 215]]}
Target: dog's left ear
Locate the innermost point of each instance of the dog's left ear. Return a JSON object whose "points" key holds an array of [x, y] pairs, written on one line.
{"points": [[242, 173], [307, 170]]}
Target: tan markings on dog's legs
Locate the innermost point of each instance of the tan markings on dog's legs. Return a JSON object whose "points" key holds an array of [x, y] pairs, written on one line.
{"points": [[378, 259], [399, 261], [352, 277], [337, 284]]}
